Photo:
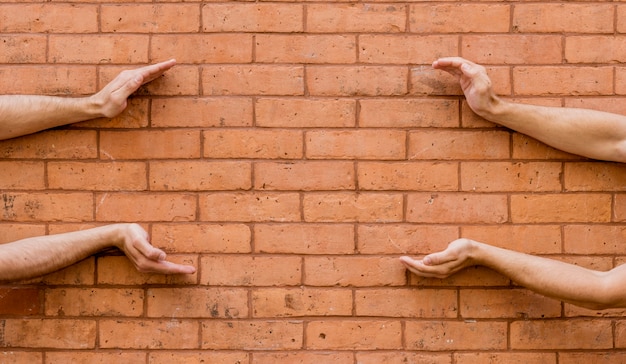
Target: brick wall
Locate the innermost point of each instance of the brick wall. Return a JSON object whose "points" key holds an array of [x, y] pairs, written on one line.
{"points": [[295, 151]]}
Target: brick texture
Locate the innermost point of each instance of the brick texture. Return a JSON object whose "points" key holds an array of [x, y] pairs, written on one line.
{"points": [[296, 150]]}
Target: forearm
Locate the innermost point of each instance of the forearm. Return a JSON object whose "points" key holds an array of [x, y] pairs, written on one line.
{"points": [[552, 278], [33, 257], [590, 133], [25, 114]]}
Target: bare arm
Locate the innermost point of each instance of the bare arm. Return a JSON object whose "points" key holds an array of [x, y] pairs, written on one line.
{"points": [[552, 278], [590, 133], [33, 257], [25, 114]]}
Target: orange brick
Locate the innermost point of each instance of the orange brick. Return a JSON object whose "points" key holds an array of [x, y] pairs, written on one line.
{"points": [[304, 238], [428, 303], [401, 49], [459, 18], [510, 177], [530, 239], [557, 334], [453, 145], [353, 271], [203, 48], [470, 277], [350, 207], [304, 176], [607, 104], [358, 144], [513, 49], [22, 48], [144, 334], [202, 238], [11, 232], [404, 238], [303, 357], [251, 17], [594, 239], [507, 358], [412, 176], [251, 143], [197, 302], [594, 177], [399, 357], [44, 206], [557, 80], [297, 302], [564, 17], [201, 112], [595, 49], [93, 302], [275, 80], [20, 301], [246, 207], [200, 175], [45, 18], [361, 18], [592, 358], [279, 48], [525, 147], [411, 113], [561, 208], [117, 270], [354, 335], [145, 207], [19, 175], [515, 303], [98, 176], [99, 357], [455, 335], [356, 80], [147, 18], [54, 144], [305, 113], [18, 357], [57, 80], [78, 274], [197, 357], [250, 335], [51, 333], [257, 270], [456, 208], [98, 49], [141, 144]]}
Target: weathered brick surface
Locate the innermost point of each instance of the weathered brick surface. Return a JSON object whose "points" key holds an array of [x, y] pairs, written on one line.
{"points": [[297, 149]]}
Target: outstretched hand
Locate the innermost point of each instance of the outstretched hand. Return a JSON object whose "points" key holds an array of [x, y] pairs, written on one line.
{"points": [[457, 256], [112, 99], [474, 82], [147, 258]]}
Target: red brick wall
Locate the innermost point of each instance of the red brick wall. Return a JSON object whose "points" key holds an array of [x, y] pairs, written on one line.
{"points": [[295, 151]]}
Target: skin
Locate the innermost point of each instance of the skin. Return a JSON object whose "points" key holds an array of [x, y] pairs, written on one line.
{"points": [[33, 257], [589, 133]]}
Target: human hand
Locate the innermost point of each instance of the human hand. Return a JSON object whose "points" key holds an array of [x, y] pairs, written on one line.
{"points": [[112, 99], [145, 257], [457, 256], [474, 81]]}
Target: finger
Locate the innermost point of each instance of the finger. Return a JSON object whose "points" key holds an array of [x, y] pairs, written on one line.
{"points": [[165, 267], [151, 72], [147, 250], [418, 268]]}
